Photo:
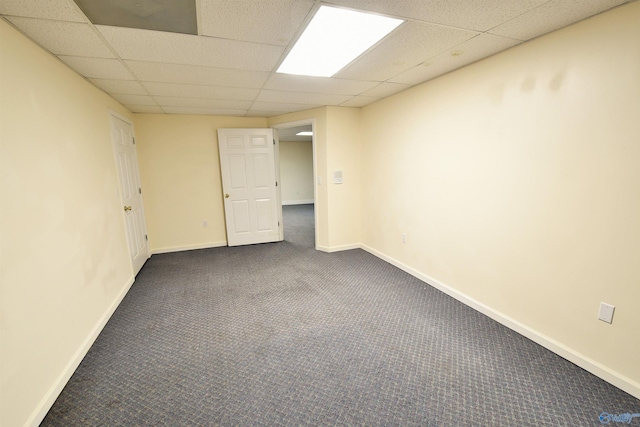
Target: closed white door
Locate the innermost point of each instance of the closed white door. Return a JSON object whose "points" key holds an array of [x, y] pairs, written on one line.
{"points": [[249, 186], [131, 192]]}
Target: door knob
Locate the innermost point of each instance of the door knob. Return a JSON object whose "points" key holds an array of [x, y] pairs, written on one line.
{"points": [[127, 208], [226, 196]]}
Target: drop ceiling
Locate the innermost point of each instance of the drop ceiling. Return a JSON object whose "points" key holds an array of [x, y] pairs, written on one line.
{"points": [[228, 67]]}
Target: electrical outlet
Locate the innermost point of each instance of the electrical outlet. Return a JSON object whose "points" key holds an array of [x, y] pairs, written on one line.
{"points": [[205, 224], [606, 312], [404, 237]]}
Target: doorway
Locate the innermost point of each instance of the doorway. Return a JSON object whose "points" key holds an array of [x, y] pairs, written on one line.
{"points": [[296, 153]]}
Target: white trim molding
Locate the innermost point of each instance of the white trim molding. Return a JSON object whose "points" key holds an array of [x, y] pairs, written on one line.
{"points": [[331, 249], [188, 247]]}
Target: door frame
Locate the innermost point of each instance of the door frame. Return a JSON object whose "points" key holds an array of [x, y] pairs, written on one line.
{"points": [[297, 123]]}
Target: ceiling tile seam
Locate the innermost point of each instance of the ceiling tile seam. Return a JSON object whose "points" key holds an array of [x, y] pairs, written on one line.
{"points": [[312, 12], [305, 22], [407, 18], [58, 57], [187, 97], [143, 82], [192, 65], [240, 41], [389, 80], [117, 56], [33, 18], [355, 97], [322, 93], [79, 10], [12, 25], [516, 17], [196, 84]]}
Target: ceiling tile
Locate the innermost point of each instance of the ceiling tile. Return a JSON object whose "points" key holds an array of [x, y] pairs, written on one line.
{"points": [[134, 99], [360, 101], [128, 87], [261, 113], [200, 91], [289, 82], [229, 67], [266, 21], [477, 15], [204, 111], [190, 74], [145, 109], [385, 89], [278, 106], [61, 10], [477, 48], [173, 48], [552, 16], [409, 45], [64, 38], [98, 68], [301, 97], [167, 101]]}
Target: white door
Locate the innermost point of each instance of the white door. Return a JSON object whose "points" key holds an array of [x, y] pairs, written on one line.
{"points": [[249, 186], [131, 192]]}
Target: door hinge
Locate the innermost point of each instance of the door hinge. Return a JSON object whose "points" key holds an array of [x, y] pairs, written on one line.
{"points": [[134, 140], [145, 237], [274, 142], [276, 183], [278, 223], [139, 190]]}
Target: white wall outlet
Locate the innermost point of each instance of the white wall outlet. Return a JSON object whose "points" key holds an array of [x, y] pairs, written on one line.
{"points": [[606, 312], [205, 224], [319, 180], [404, 237], [337, 177]]}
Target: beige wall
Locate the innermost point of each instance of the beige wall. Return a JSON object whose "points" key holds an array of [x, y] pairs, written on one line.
{"points": [[337, 145], [517, 182], [64, 262], [344, 139], [181, 181], [296, 172]]}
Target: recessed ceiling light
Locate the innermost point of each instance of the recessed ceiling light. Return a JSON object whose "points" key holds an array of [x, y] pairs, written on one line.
{"points": [[305, 133], [334, 38]]}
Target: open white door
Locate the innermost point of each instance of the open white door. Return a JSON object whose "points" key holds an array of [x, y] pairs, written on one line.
{"points": [[249, 185], [127, 163]]}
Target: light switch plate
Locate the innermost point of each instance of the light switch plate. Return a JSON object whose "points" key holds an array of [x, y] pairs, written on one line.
{"points": [[337, 177], [606, 312]]}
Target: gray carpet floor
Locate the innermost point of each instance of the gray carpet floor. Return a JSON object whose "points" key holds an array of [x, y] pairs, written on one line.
{"points": [[282, 335]]}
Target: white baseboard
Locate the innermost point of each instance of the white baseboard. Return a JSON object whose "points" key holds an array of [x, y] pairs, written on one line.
{"points": [[298, 202], [330, 249], [188, 247], [50, 397], [622, 382]]}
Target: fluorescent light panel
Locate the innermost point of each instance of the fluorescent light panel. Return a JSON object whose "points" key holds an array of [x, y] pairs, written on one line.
{"points": [[334, 38], [305, 133]]}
